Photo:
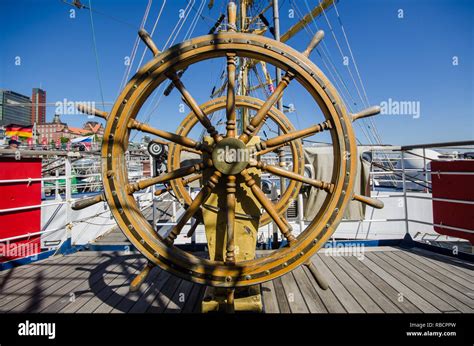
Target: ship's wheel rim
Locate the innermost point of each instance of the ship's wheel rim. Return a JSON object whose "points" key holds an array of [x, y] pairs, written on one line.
{"points": [[187, 265]]}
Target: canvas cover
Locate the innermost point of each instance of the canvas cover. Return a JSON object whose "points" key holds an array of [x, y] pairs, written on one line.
{"points": [[321, 158]]}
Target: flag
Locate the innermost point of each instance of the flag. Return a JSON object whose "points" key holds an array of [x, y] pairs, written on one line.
{"points": [[19, 130]]}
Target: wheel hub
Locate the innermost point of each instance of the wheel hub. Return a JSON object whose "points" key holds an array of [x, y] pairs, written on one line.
{"points": [[230, 156]]}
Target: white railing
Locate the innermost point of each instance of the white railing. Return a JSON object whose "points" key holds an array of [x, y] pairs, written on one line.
{"points": [[69, 224], [402, 179]]}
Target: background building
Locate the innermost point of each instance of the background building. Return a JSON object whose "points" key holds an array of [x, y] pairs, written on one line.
{"points": [[51, 131], [38, 106], [56, 129], [15, 108]]}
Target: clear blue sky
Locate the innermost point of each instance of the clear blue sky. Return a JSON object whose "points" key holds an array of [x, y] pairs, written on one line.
{"points": [[408, 59]]}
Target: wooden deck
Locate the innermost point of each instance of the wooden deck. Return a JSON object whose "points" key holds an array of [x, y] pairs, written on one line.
{"points": [[385, 280]]}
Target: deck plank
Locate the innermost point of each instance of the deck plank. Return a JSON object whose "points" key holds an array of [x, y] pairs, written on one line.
{"points": [[293, 295], [31, 268], [403, 290], [29, 273], [200, 296], [454, 264], [458, 300], [446, 280], [310, 294], [329, 299], [29, 290], [282, 300], [192, 299], [179, 298], [341, 292], [77, 289], [270, 303], [163, 297], [99, 282], [149, 295], [104, 289], [370, 289], [352, 286], [76, 276], [436, 265], [119, 293], [405, 305], [133, 297], [106, 274], [411, 280]]}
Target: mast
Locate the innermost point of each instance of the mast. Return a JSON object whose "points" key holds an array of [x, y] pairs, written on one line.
{"points": [[281, 152], [244, 87]]}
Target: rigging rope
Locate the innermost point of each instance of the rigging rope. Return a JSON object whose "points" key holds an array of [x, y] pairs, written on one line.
{"points": [[159, 91], [325, 51], [96, 57], [151, 34], [135, 48], [329, 58], [192, 27], [374, 128]]}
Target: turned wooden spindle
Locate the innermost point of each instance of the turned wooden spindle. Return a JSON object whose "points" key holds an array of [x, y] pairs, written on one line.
{"points": [[230, 104], [230, 190]]}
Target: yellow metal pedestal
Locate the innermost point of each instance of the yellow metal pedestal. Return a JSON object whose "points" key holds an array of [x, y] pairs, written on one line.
{"points": [[248, 212], [246, 299]]}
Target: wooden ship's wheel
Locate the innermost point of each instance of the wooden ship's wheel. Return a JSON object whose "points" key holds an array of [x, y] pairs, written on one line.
{"points": [[231, 182]]}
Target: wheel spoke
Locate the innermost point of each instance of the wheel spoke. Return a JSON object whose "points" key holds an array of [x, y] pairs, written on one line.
{"points": [[173, 137], [284, 227], [275, 142], [191, 102], [328, 187], [178, 173], [255, 152], [200, 199], [259, 118], [185, 182], [230, 106], [199, 218], [230, 189]]}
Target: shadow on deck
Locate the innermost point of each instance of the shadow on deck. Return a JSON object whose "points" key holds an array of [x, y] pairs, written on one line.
{"points": [[382, 279]]}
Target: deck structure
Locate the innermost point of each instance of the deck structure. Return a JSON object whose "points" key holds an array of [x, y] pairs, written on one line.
{"points": [[381, 280]]}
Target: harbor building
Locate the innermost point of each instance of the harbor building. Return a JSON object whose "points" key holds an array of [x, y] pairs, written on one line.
{"points": [[15, 108]]}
